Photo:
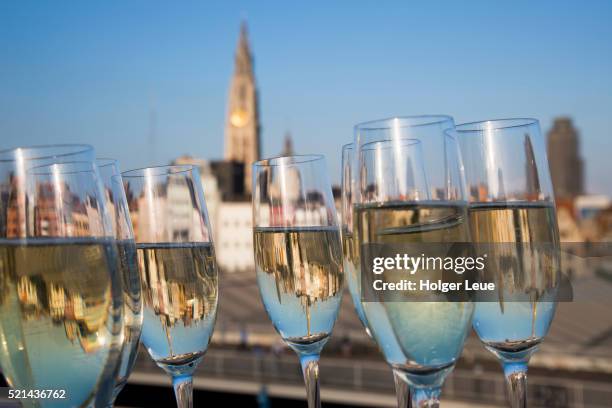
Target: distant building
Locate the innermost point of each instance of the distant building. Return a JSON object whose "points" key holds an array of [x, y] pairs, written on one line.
{"points": [[569, 230], [593, 213], [288, 145], [242, 128], [227, 183], [234, 246], [588, 206], [212, 193], [230, 179], [229, 212], [566, 165], [603, 220]]}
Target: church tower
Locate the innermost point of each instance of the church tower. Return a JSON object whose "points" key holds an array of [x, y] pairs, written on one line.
{"points": [[288, 145], [242, 123]]}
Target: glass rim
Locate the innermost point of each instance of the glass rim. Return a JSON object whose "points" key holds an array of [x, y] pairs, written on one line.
{"points": [[383, 124], [348, 146], [511, 123], [157, 171], [106, 161], [366, 147], [292, 160], [78, 148], [50, 166]]}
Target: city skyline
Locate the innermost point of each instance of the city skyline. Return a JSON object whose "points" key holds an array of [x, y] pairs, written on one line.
{"points": [[69, 79]]}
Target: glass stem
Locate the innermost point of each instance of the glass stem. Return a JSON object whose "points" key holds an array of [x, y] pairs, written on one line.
{"points": [[183, 390], [402, 391], [516, 383], [116, 391], [426, 397], [310, 369]]}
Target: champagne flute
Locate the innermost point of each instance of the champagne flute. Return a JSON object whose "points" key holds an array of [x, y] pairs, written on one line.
{"points": [[61, 309], [409, 196], [178, 269], [512, 218], [351, 267], [126, 249], [298, 256]]}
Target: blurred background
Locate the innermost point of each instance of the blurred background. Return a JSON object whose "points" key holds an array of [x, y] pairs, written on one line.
{"points": [[222, 85]]}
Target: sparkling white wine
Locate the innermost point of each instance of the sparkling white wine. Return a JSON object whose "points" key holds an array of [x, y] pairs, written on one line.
{"points": [[132, 309], [351, 271], [180, 295], [526, 276], [415, 336], [300, 278], [58, 320]]}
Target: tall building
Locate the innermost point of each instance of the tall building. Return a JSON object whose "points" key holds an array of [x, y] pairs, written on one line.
{"points": [[288, 145], [566, 166], [242, 122]]}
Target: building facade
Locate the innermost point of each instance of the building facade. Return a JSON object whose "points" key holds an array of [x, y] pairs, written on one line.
{"points": [[212, 193], [234, 245], [566, 165]]}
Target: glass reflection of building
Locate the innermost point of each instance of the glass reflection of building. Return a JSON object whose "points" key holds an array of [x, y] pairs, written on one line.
{"points": [[15, 212], [304, 265], [82, 316], [38, 272], [172, 217], [480, 193], [189, 296], [55, 214], [314, 280], [184, 299], [520, 260], [187, 292]]}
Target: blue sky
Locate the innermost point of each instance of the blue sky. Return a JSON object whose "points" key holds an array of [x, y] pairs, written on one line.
{"points": [[74, 71]]}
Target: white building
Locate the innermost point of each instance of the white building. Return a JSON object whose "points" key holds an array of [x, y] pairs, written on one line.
{"points": [[234, 240], [588, 206], [231, 222], [212, 195]]}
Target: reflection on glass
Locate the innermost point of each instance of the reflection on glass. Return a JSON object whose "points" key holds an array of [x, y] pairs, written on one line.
{"points": [[117, 206], [430, 335], [298, 256], [299, 276], [409, 193], [352, 267], [512, 217], [61, 320], [178, 270], [349, 251], [526, 275], [180, 298], [55, 305]]}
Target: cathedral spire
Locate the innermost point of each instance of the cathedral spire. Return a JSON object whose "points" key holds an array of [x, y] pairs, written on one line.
{"points": [[244, 59], [242, 142], [288, 145]]}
